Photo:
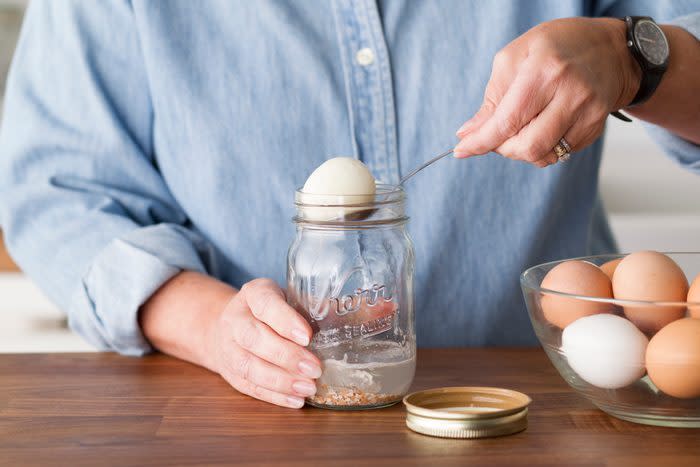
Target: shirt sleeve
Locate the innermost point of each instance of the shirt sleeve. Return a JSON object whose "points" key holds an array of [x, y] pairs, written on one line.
{"points": [[687, 154], [685, 14], [84, 209]]}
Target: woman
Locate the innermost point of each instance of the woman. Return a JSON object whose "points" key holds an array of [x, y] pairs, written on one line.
{"points": [[150, 151]]}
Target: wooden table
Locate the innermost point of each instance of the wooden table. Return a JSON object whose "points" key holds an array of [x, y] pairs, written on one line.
{"points": [[100, 409]]}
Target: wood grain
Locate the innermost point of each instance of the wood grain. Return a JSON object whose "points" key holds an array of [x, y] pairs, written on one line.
{"points": [[103, 409], [6, 263]]}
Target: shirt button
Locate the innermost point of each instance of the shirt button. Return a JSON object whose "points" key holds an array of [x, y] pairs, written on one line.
{"points": [[365, 56]]}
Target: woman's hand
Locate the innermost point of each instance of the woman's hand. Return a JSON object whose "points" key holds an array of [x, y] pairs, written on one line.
{"points": [[560, 79], [257, 345], [251, 337]]}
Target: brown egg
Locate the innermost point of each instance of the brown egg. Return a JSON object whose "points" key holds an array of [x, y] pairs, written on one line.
{"points": [[652, 276], [673, 359], [694, 296], [579, 278], [609, 267]]}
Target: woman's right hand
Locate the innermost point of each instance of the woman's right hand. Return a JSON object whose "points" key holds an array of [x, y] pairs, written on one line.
{"points": [[258, 346]]}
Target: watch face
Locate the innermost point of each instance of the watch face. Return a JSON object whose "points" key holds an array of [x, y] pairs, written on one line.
{"points": [[652, 41]]}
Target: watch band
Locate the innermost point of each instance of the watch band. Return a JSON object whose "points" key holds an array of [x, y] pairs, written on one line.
{"points": [[619, 115]]}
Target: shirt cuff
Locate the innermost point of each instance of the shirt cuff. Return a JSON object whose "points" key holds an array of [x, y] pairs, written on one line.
{"points": [[123, 276], [683, 151], [690, 23]]}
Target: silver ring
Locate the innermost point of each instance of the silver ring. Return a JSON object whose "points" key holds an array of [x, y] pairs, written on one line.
{"points": [[562, 150]]}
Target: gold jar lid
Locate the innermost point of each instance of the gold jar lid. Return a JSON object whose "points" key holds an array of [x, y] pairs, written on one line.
{"points": [[466, 412]]}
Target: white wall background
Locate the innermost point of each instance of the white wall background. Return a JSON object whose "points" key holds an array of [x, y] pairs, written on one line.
{"points": [[653, 204]]}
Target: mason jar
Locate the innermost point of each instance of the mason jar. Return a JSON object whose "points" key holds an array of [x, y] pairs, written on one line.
{"points": [[350, 274]]}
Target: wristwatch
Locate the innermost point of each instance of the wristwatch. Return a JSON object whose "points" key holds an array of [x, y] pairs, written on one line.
{"points": [[649, 47]]}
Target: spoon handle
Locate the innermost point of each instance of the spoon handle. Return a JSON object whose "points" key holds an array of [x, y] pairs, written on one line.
{"points": [[421, 167]]}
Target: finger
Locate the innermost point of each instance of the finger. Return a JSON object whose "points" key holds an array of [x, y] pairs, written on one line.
{"points": [[258, 392], [483, 114], [525, 98], [550, 159], [578, 137], [250, 367], [256, 337], [576, 114], [581, 136], [503, 72], [267, 302], [536, 140]]}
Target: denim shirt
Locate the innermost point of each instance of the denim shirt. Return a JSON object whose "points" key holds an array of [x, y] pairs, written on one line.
{"points": [[144, 138]]}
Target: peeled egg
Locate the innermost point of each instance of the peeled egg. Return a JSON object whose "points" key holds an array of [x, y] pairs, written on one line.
{"points": [[609, 267], [673, 359], [579, 278], [337, 182], [605, 350], [694, 296], [341, 176], [648, 275]]}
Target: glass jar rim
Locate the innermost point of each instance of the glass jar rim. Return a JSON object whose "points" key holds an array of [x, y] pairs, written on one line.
{"points": [[386, 206], [385, 194]]}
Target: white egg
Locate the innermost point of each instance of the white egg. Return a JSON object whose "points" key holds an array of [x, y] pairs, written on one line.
{"points": [[337, 182], [341, 176], [605, 350]]}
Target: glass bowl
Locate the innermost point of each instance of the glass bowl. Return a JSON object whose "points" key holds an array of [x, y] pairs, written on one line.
{"points": [[637, 399]]}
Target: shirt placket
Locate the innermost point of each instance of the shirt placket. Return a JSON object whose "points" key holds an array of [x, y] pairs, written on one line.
{"points": [[369, 86]]}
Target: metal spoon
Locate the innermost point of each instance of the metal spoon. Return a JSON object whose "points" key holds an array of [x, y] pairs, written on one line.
{"points": [[426, 164], [365, 213]]}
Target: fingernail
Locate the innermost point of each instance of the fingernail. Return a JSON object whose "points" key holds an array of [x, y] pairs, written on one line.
{"points": [[458, 152], [462, 145], [304, 388], [300, 337], [295, 402], [309, 369]]}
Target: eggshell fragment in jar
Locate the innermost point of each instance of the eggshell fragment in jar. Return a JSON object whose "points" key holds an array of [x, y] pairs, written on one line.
{"points": [[694, 297], [578, 278], [605, 350], [650, 276], [609, 267], [673, 359]]}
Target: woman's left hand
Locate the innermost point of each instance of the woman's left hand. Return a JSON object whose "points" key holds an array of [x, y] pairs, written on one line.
{"points": [[560, 79]]}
